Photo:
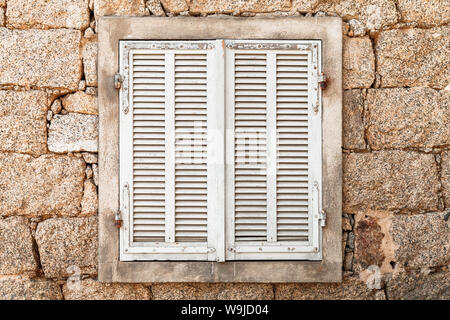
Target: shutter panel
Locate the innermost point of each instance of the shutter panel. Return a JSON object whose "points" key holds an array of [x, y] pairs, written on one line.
{"points": [[274, 150], [169, 106]]}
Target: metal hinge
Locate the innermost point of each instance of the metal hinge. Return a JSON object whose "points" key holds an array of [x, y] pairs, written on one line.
{"points": [[118, 220], [322, 79], [118, 79], [323, 218]]}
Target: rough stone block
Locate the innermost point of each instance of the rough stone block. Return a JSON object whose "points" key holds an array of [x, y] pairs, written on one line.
{"points": [[390, 180], [80, 102], [90, 289], [25, 14], [73, 132], [350, 289], [2, 17], [89, 52], [414, 57], [16, 288], [40, 58], [368, 242], [230, 6], [212, 291], [358, 63], [23, 121], [408, 118], [48, 185], [416, 286], [445, 177], [66, 244], [175, 6], [16, 246], [425, 12], [119, 8], [353, 124], [154, 6], [89, 204]]}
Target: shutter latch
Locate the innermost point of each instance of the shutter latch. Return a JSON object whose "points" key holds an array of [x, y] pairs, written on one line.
{"points": [[322, 218], [118, 220], [125, 206], [322, 81], [118, 79]]}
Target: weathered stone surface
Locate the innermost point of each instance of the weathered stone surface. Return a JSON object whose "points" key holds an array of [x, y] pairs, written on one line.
{"points": [[67, 243], [90, 157], [435, 286], [2, 3], [424, 12], [374, 14], [211, 291], [89, 204], [73, 132], [230, 6], [390, 180], [2, 17], [304, 5], [445, 177], [23, 127], [421, 240], [41, 58], [80, 102], [154, 6], [90, 289], [89, 53], [368, 243], [352, 120], [351, 288], [358, 63], [15, 288], [119, 8], [46, 14], [414, 57], [408, 118], [175, 6], [48, 185], [16, 246]]}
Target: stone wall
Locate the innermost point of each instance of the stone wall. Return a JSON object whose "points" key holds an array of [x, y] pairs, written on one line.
{"points": [[396, 149]]}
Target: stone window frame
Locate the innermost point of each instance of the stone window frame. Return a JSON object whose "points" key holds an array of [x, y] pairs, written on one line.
{"points": [[113, 29]]}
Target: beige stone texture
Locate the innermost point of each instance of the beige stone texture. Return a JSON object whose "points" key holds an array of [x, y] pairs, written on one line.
{"points": [[25, 14], [445, 177], [2, 17], [175, 6], [90, 157], [80, 102], [420, 286], [2, 3], [73, 132], [89, 53], [358, 63], [56, 106], [374, 14], [414, 57], [304, 5], [48, 185], [119, 8], [16, 246], [90, 289], [408, 118], [212, 291], [425, 12], [155, 8], [231, 6], [421, 240], [352, 119], [89, 204], [390, 180], [67, 244], [351, 288], [23, 125], [16, 288], [40, 58]]}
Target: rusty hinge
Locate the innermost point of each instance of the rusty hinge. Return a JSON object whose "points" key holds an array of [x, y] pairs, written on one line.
{"points": [[322, 81], [118, 220], [118, 79]]}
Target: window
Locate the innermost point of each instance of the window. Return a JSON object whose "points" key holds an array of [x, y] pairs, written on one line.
{"points": [[227, 150]]}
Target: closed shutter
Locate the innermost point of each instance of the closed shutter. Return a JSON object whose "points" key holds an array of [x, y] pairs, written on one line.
{"points": [[170, 179], [274, 150]]}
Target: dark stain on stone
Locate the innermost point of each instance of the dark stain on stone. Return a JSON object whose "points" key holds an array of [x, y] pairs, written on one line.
{"points": [[368, 242]]}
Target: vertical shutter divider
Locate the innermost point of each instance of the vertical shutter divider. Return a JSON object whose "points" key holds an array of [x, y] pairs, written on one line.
{"points": [[170, 146], [271, 124]]}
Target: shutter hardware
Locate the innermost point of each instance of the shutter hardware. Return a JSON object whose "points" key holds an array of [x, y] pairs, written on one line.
{"points": [[322, 218], [117, 220], [322, 81], [118, 79]]}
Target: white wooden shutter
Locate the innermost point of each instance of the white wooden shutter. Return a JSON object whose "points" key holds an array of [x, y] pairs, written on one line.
{"points": [[171, 159], [273, 149]]}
